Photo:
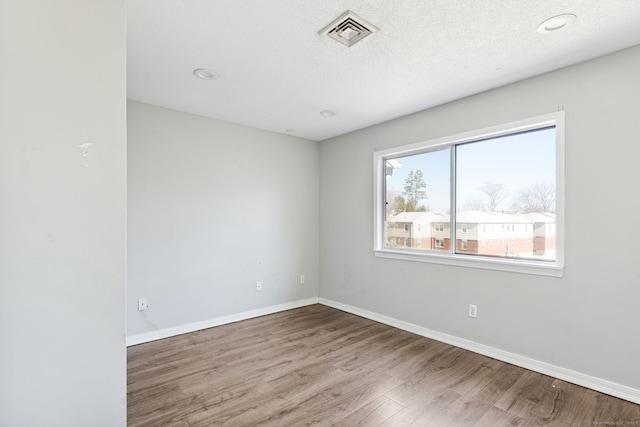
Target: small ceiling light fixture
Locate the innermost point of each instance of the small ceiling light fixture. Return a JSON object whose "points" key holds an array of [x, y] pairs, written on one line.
{"points": [[556, 23], [327, 113], [203, 74]]}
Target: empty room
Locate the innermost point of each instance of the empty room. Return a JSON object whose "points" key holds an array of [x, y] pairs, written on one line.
{"points": [[286, 213]]}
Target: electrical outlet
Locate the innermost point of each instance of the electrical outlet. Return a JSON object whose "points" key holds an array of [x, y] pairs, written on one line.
{"points": [[142, 304], [473, 311], [258, 286], [302, 279]]}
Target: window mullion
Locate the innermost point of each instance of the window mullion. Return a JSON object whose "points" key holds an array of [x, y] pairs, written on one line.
{"points": [[452, 208]]}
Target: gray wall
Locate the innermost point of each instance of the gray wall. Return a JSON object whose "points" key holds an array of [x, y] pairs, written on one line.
{"points": [[62, 215], [213, 208], [586, 321]]}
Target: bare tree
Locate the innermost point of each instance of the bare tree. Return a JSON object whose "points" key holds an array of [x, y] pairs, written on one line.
{"points": [[539, 197], [496, 193], [473, 204]]}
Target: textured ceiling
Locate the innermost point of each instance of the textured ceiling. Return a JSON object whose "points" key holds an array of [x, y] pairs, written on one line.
{"points": [[275, 71]]}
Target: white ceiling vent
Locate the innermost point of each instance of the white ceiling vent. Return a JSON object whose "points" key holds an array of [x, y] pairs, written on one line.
{"points": [[349, 29]]}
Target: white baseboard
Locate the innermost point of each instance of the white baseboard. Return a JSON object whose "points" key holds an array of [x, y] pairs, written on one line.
{"points": [[597, 384], [210, 323]]}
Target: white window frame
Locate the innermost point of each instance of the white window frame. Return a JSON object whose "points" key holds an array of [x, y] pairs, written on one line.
{"points": [[545, 268]]}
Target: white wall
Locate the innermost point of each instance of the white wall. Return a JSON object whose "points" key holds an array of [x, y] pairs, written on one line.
{"points": [[586, 321], [62, 215], [213, 208]]}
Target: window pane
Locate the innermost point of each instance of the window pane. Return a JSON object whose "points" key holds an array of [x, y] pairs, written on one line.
{"points": [[417, 200], [506, 191]]}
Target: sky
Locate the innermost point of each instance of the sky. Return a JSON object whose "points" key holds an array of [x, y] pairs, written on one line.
{"points": [[514, 160]]}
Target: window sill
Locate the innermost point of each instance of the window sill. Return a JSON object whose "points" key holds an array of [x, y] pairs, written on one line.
{"points": [[498, 264]]}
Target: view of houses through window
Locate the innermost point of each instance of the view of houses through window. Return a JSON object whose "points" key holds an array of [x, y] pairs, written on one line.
{"points": [[504, 199]]}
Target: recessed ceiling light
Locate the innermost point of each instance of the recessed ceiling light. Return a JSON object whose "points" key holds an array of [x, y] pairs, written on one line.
{"points": [[327, 113], [556, 23], [203, 74]]}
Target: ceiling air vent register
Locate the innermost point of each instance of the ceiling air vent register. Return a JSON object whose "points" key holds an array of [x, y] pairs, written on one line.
{"points": [[348, 29]]}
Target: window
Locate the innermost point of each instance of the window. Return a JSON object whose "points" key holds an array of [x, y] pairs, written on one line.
{"points": [[472, 180]]}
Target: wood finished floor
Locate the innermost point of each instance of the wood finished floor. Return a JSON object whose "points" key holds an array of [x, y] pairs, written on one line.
{"points": [[320, 366]]}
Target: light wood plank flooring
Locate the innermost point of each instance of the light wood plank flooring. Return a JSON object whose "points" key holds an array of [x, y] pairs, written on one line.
{"points": [[320, 366]]}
